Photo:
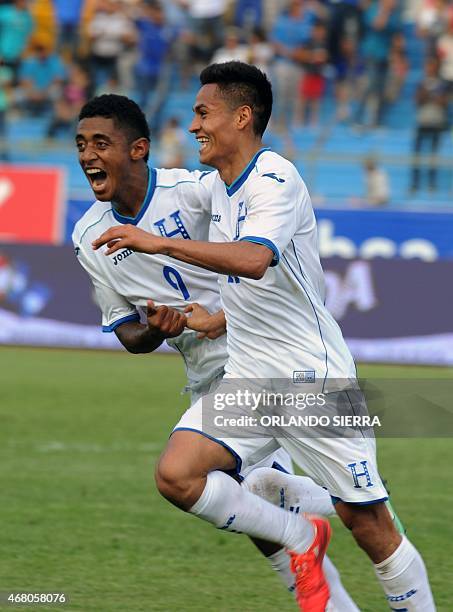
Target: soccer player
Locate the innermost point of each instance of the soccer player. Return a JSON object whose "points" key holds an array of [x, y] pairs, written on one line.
{"points": [[113, 144], [264, 247]]}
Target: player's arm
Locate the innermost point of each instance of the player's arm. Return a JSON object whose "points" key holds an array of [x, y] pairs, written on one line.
{"points": [[242, 258], [208, 325], [162, 322]]}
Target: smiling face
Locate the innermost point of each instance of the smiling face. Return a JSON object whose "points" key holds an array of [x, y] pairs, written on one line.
{"points": [[215, 126], [105, 157]]}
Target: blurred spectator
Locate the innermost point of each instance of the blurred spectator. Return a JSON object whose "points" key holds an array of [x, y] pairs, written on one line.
{"points": [[154, 41], [41, 75], [260, 52], [233, 50], [110, 33], [67, 17], [445, 52], [249, 14], [345, 22], [73, 96], [172, 145], [16, 27], [291, 31], [206, 23], [314, 57], [377, 183], [431, 22], [431, 99], [381, 21], [6, 79], [398, 68], [349, 78]]}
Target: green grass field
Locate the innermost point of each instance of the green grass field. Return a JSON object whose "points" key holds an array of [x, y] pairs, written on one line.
{"points": [[79, 435]]}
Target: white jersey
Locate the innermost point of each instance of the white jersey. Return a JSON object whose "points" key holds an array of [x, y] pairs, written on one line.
{"points": [[177, 205], [278, 326]]}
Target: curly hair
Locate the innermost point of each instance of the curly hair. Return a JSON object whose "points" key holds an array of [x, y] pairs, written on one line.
{"points": [[124, 112]]}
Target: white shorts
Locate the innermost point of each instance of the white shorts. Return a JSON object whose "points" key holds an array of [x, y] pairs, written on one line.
{"points": [[345, 466], [279, 459]]}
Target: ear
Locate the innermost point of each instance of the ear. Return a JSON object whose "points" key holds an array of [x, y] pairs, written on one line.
{"points": [[139, 148], [244, 117]]}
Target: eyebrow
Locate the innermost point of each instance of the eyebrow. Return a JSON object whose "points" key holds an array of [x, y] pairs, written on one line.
{"points": [[95, 137], [198, 107]]}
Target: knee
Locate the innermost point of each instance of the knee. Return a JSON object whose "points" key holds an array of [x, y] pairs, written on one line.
{"points": [[264, 482], [175, 483], [366, 522]]}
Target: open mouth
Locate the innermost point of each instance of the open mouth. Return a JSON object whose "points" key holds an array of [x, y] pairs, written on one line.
{"points": [[203, 142], [97, 178]]}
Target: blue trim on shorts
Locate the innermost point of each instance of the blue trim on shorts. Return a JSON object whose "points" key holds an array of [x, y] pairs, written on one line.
{"points": [[335, 500], [280, 468], [234, 453]]}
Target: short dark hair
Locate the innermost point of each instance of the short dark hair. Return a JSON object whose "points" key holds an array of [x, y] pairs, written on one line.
{"points": [[126, 114], [241, 83]]}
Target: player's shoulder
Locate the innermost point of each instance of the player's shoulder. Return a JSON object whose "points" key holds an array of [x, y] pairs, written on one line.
{"points": [[270, 165], [97, 212], [170, 178]]}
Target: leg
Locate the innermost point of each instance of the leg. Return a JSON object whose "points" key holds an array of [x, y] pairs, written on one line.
{"points": [[347, 466], [297, 494], [434, 134], [416, 163], [398, 565], [188, 475]]}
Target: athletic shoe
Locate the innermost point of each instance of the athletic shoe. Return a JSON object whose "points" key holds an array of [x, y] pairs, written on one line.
{"points": [[312, 590]]}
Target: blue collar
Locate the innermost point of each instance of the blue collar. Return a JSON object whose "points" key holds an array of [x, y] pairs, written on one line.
{"points": [[236, 184], [146, 202]]}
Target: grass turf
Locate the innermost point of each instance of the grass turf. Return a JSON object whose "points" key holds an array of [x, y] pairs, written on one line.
{"points": [[79, 435]]}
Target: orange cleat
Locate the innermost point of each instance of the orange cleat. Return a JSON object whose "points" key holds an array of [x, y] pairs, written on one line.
{"points": [[312, 590]]}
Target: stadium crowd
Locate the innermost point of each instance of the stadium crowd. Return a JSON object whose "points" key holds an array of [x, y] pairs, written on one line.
{"points": [[55, 54]]}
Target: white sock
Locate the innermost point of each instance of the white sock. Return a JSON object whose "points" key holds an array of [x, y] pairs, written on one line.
{"points": [[405, 581], [294, 493], [280, 562], [339, 598], [228, 506]]}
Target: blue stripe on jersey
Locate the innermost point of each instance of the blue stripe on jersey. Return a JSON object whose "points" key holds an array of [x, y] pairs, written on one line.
{"points": [[110, 328], [144, 207], [235, 185], [268, 243], [314, 310]]}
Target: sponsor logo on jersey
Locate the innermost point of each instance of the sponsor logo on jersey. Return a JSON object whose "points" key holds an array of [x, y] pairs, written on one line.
{"points": [[121, 255], [272, 175], [216, 218]]}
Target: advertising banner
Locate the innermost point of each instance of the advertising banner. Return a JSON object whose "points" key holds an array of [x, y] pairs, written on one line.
{"points": [[32, 204], [368, 234], [396, 311]]}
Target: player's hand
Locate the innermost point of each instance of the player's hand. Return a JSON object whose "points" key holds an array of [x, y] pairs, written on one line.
{"points": [[208, 325], [127, 237], [164, 320]]}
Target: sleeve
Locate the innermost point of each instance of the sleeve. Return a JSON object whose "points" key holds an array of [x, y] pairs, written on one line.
{"points": [[114, 307], [271, 217], [202, 193]]}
